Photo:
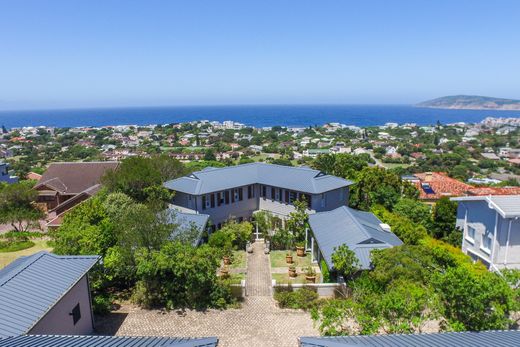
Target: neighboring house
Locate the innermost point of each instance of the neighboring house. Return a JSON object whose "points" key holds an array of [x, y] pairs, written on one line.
{"points": [[361, 231], [106, 341], [46, 294], [434, 185], [491, 229], [74, 181], [482, 191], [33, 176], [5, 174], [504, 338], [236, 192]]}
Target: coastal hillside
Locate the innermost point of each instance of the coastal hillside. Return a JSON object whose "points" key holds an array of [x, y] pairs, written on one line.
{"points": [[471, 102]]}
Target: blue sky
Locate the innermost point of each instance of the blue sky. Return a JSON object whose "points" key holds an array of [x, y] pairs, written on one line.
{"points": [[56, 54]]}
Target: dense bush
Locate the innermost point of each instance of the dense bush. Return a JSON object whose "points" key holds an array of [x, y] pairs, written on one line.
{"points": [[14, 246], [304, 299]]}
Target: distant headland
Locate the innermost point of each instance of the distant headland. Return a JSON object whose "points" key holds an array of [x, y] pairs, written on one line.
{"points": [[471, 102]]}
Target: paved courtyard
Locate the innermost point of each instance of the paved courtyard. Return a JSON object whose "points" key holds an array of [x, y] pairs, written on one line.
{"points": [[258, 323]]}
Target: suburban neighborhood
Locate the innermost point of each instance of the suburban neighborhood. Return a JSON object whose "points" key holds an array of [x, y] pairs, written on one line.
{"points": [[300, 234]]}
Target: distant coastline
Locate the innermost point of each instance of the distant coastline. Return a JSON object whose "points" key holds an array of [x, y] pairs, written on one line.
{"points": [[257, 116], [471, 102]]}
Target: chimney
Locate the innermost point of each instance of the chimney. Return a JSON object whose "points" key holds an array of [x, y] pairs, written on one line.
{"points": [[428, 177]]}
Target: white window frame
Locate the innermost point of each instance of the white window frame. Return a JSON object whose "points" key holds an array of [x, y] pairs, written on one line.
{"points": [[486, 236], [470, 230], [208, 201]]}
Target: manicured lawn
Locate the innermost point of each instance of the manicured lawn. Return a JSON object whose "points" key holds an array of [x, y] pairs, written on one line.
{"points": [[278, 259], [39, 245], [284, 278], [239, 260]]}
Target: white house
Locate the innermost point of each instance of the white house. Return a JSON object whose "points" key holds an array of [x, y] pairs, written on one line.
{"points": [[491, 228]]}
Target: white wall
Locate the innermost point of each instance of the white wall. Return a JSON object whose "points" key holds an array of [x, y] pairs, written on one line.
{"points": [[58, 320]]}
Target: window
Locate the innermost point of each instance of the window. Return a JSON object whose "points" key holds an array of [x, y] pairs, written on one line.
{"points": [[273, 194], [250, 191], [308, 200], [240, 194], [323, 200], [287, 196], [341, 194], [277, 194], [76, 314], [264, 191], [212, 200], [226, 196], [220, 198], [471, 234], [204, 202], [486, 242], [292, 196]]}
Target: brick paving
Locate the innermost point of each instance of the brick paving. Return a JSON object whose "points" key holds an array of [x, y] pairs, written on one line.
{"points": [[259, 322], [258, 280]]}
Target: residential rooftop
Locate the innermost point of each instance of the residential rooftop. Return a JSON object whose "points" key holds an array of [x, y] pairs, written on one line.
{"points": [[360, 231], [30, 286], [506, 338], [301, 179], [508, 206], [105, 341]]}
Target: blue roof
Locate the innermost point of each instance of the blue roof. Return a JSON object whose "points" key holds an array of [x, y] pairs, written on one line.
{"points": [[105, 341], [359, 230], [185, 222], [301, 179], [30, 286], [507, 338]]}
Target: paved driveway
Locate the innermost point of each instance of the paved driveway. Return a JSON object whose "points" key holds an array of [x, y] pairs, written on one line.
{"points": [[258, 323]]}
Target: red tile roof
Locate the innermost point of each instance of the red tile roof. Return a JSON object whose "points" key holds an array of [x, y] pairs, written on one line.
{"points": [[441, 184], [494, 191]]}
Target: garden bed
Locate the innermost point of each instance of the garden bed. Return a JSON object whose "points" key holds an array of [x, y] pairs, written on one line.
{"points": [[277, 259], [285, 279], [15, 246]]}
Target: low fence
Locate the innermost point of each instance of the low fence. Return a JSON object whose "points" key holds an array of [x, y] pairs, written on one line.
{"points": [[330, 290], [238, 291]]}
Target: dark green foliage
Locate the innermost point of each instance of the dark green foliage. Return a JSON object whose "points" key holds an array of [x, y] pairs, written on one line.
{"points": [[402, 227], [415, 211], [304, 299], [342, 165], [444, 217], [17, 205], [325, 273], [14, 246], [345, 261]]}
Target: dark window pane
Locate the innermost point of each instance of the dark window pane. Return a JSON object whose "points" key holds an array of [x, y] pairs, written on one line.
{"points": [[76, 314]]}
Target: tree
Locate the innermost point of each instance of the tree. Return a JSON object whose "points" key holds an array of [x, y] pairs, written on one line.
{"points": [[345, 261], [474, 301], [342, 165], [142, 178], [414, 210], [443, 218], [209, 155], [377, 185], [17, 205], [297, 221]]}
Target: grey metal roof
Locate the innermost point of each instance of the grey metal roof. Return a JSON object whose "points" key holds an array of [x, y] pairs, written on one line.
{"points": [[186, 221], [105, 341], [295, 178], [31, 286], [509, 338], [507, 205], [359, 230]]}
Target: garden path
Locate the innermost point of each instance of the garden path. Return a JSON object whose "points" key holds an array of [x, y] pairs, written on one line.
{"points": [[258, 280]]}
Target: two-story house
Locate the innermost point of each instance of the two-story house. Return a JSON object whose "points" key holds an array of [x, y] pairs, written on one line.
{"points": [[491, 228], [236, 192]]}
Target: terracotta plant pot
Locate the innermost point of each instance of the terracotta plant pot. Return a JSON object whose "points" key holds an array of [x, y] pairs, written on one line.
{"points": [[310, 279], [292, 272], [227, 260], [288, 259], [224, 272], [300, 251]]}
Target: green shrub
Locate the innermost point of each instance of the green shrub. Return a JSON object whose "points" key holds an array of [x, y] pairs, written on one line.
{"points": [[325, 273], [15, 246], [304, 299], [101, 304], [21, 235]]}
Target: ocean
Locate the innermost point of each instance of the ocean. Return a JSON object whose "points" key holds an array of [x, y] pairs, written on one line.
{"points": [[258, 116]]}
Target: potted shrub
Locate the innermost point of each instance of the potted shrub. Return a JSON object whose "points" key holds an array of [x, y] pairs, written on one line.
{"points": [[300, 249], [226, 259], [224, 272], [288, 257], [292, 271], [310, 275]]}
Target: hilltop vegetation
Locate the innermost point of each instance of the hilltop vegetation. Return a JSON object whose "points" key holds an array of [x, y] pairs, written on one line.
{"points": [[471, 102]]}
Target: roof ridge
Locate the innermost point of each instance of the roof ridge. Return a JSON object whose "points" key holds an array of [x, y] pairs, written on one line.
{"points": [[362, 226], [21, 267]]}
